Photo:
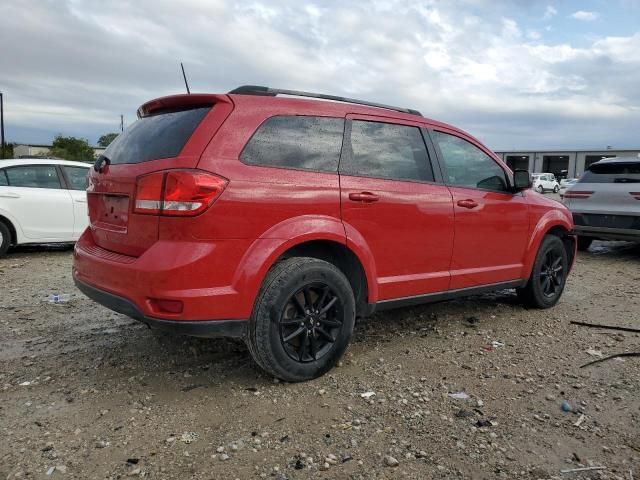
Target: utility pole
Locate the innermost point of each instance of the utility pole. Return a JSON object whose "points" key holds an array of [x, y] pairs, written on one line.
{"points": [[1, 127], [121, 123]]}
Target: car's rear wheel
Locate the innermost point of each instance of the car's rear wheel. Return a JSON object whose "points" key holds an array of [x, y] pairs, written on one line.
{"points": [[584, 243], [539, 189], [302, 320], [549, 274], [5, 238]]}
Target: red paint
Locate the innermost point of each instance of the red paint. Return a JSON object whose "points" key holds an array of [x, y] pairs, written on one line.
{"points": [[411, 238]]}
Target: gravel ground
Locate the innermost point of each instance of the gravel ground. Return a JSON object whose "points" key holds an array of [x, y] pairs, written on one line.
{"points": [[87, 393]]}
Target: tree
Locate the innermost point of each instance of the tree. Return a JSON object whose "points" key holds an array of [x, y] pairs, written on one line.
{"points": [[106, 139], [71, 148], [8, 150]]}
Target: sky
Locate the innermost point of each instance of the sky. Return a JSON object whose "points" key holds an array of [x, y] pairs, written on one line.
{"points": [[516, 74]]}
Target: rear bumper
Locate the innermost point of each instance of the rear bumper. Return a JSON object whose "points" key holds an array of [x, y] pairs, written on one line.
{"points": [[200, 275], [606, 233], [199, 328]]}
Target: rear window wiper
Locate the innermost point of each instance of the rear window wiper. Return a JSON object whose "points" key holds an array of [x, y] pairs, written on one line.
{"points": [[101, 162]]}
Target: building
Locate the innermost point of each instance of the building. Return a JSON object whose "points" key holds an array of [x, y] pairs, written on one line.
{"points": [[30, 151], [562, 163]]}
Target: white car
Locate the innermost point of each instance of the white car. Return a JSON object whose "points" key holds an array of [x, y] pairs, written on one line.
{"points": [[545, 182], [42, 201], [565, 184]]}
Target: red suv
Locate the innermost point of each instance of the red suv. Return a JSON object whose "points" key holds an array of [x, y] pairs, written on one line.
{"points": [[280, 220]]}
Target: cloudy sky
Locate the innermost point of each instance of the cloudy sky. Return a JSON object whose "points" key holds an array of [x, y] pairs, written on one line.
{"points": [[515, 73]]}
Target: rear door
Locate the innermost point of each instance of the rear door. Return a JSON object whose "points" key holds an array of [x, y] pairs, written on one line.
{"points": [[491, 223], [77, 182], [171, 133], [36, 197], [392, 203]]}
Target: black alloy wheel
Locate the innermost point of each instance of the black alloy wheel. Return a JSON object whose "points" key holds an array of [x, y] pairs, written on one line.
{"points": [[310, 322], [551, 275]]}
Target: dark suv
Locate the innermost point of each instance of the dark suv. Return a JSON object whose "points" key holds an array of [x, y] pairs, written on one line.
{"points": [[281, 220]]}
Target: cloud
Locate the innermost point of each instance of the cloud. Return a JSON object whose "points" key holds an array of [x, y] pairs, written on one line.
{"points": [[550, 12], [584, 16], [74, 66]]}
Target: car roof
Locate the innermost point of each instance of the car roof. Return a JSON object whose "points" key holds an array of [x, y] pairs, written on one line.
{"points": [[628, 159], [13, 162]]}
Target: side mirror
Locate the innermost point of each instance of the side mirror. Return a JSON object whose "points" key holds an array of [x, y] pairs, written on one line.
{"points": [[521, 180]]}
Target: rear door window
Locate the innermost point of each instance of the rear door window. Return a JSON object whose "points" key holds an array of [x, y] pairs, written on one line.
{"points": [[299, 142], [77, 177], [161, 135], [34, 176], [618, 172], [387, 150]]}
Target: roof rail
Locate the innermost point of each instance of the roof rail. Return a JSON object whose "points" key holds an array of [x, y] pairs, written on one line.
{"points": [[272, 92]]}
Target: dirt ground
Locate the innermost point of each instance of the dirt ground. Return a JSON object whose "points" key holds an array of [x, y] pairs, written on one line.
{"points": [[87, 393]]}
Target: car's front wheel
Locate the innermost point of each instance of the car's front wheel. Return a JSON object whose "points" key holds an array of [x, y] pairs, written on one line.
{"points": [[556, 189], [302, 320], [548, 276], [5, 238]]}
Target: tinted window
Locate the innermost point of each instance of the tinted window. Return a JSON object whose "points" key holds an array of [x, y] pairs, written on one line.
{"points": [[468, 166], [35, 176], [311, 143], [388, 151], [612, 173], [3, 179], [77, 177], [161, 135]]}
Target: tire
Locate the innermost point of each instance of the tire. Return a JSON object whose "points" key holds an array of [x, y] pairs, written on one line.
{"points": [[548, 276], [5, 238], [302, 320], [540, 189], [584, 243], [556, 189]]}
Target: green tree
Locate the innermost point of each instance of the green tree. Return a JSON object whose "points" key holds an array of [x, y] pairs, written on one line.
{"points": [[71, 148], [8, 150], [106, 139]]}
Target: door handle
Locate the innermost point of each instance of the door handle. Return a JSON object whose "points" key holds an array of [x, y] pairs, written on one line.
{"points": [[78, 200], [9, 195], [365, 197], [468, 203]]}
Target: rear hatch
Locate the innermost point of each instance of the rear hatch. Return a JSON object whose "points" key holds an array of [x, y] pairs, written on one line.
{"points": [[170, 133], [607, 195]]}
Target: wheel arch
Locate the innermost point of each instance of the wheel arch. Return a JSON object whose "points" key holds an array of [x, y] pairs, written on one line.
{"points": [[553, 223]]}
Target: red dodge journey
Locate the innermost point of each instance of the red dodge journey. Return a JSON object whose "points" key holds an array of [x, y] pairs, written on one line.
{"points": [[280, 216]]}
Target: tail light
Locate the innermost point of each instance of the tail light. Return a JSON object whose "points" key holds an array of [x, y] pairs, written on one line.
{"points": [[635, 195], [577, 194], [183, 193]]}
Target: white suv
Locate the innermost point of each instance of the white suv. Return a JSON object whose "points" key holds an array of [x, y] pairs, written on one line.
{"points": [[42, 201], [545, 182]]}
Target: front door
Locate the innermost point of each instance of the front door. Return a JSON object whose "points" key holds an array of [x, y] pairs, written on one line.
{"points": [[491, 223], [392, 205]]}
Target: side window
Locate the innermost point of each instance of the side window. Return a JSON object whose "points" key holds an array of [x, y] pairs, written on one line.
{"points": [[3, 179], [310, 143], [468, 166], [77, 177], [387, 150], [34, 176]]}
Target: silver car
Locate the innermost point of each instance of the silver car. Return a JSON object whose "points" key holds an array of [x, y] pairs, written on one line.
{"points": [[605, 201]]}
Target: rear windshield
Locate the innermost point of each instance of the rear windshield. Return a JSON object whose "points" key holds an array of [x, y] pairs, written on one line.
{"points": [[612, 173], [161, 135]]}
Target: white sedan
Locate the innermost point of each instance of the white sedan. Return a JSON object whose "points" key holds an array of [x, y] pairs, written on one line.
{"points": [[42, 201]]}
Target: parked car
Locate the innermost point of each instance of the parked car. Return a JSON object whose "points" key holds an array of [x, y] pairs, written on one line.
{"points": [[605, 202], [545, 182], [565, 184], [42, 201], [280, 220]]}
